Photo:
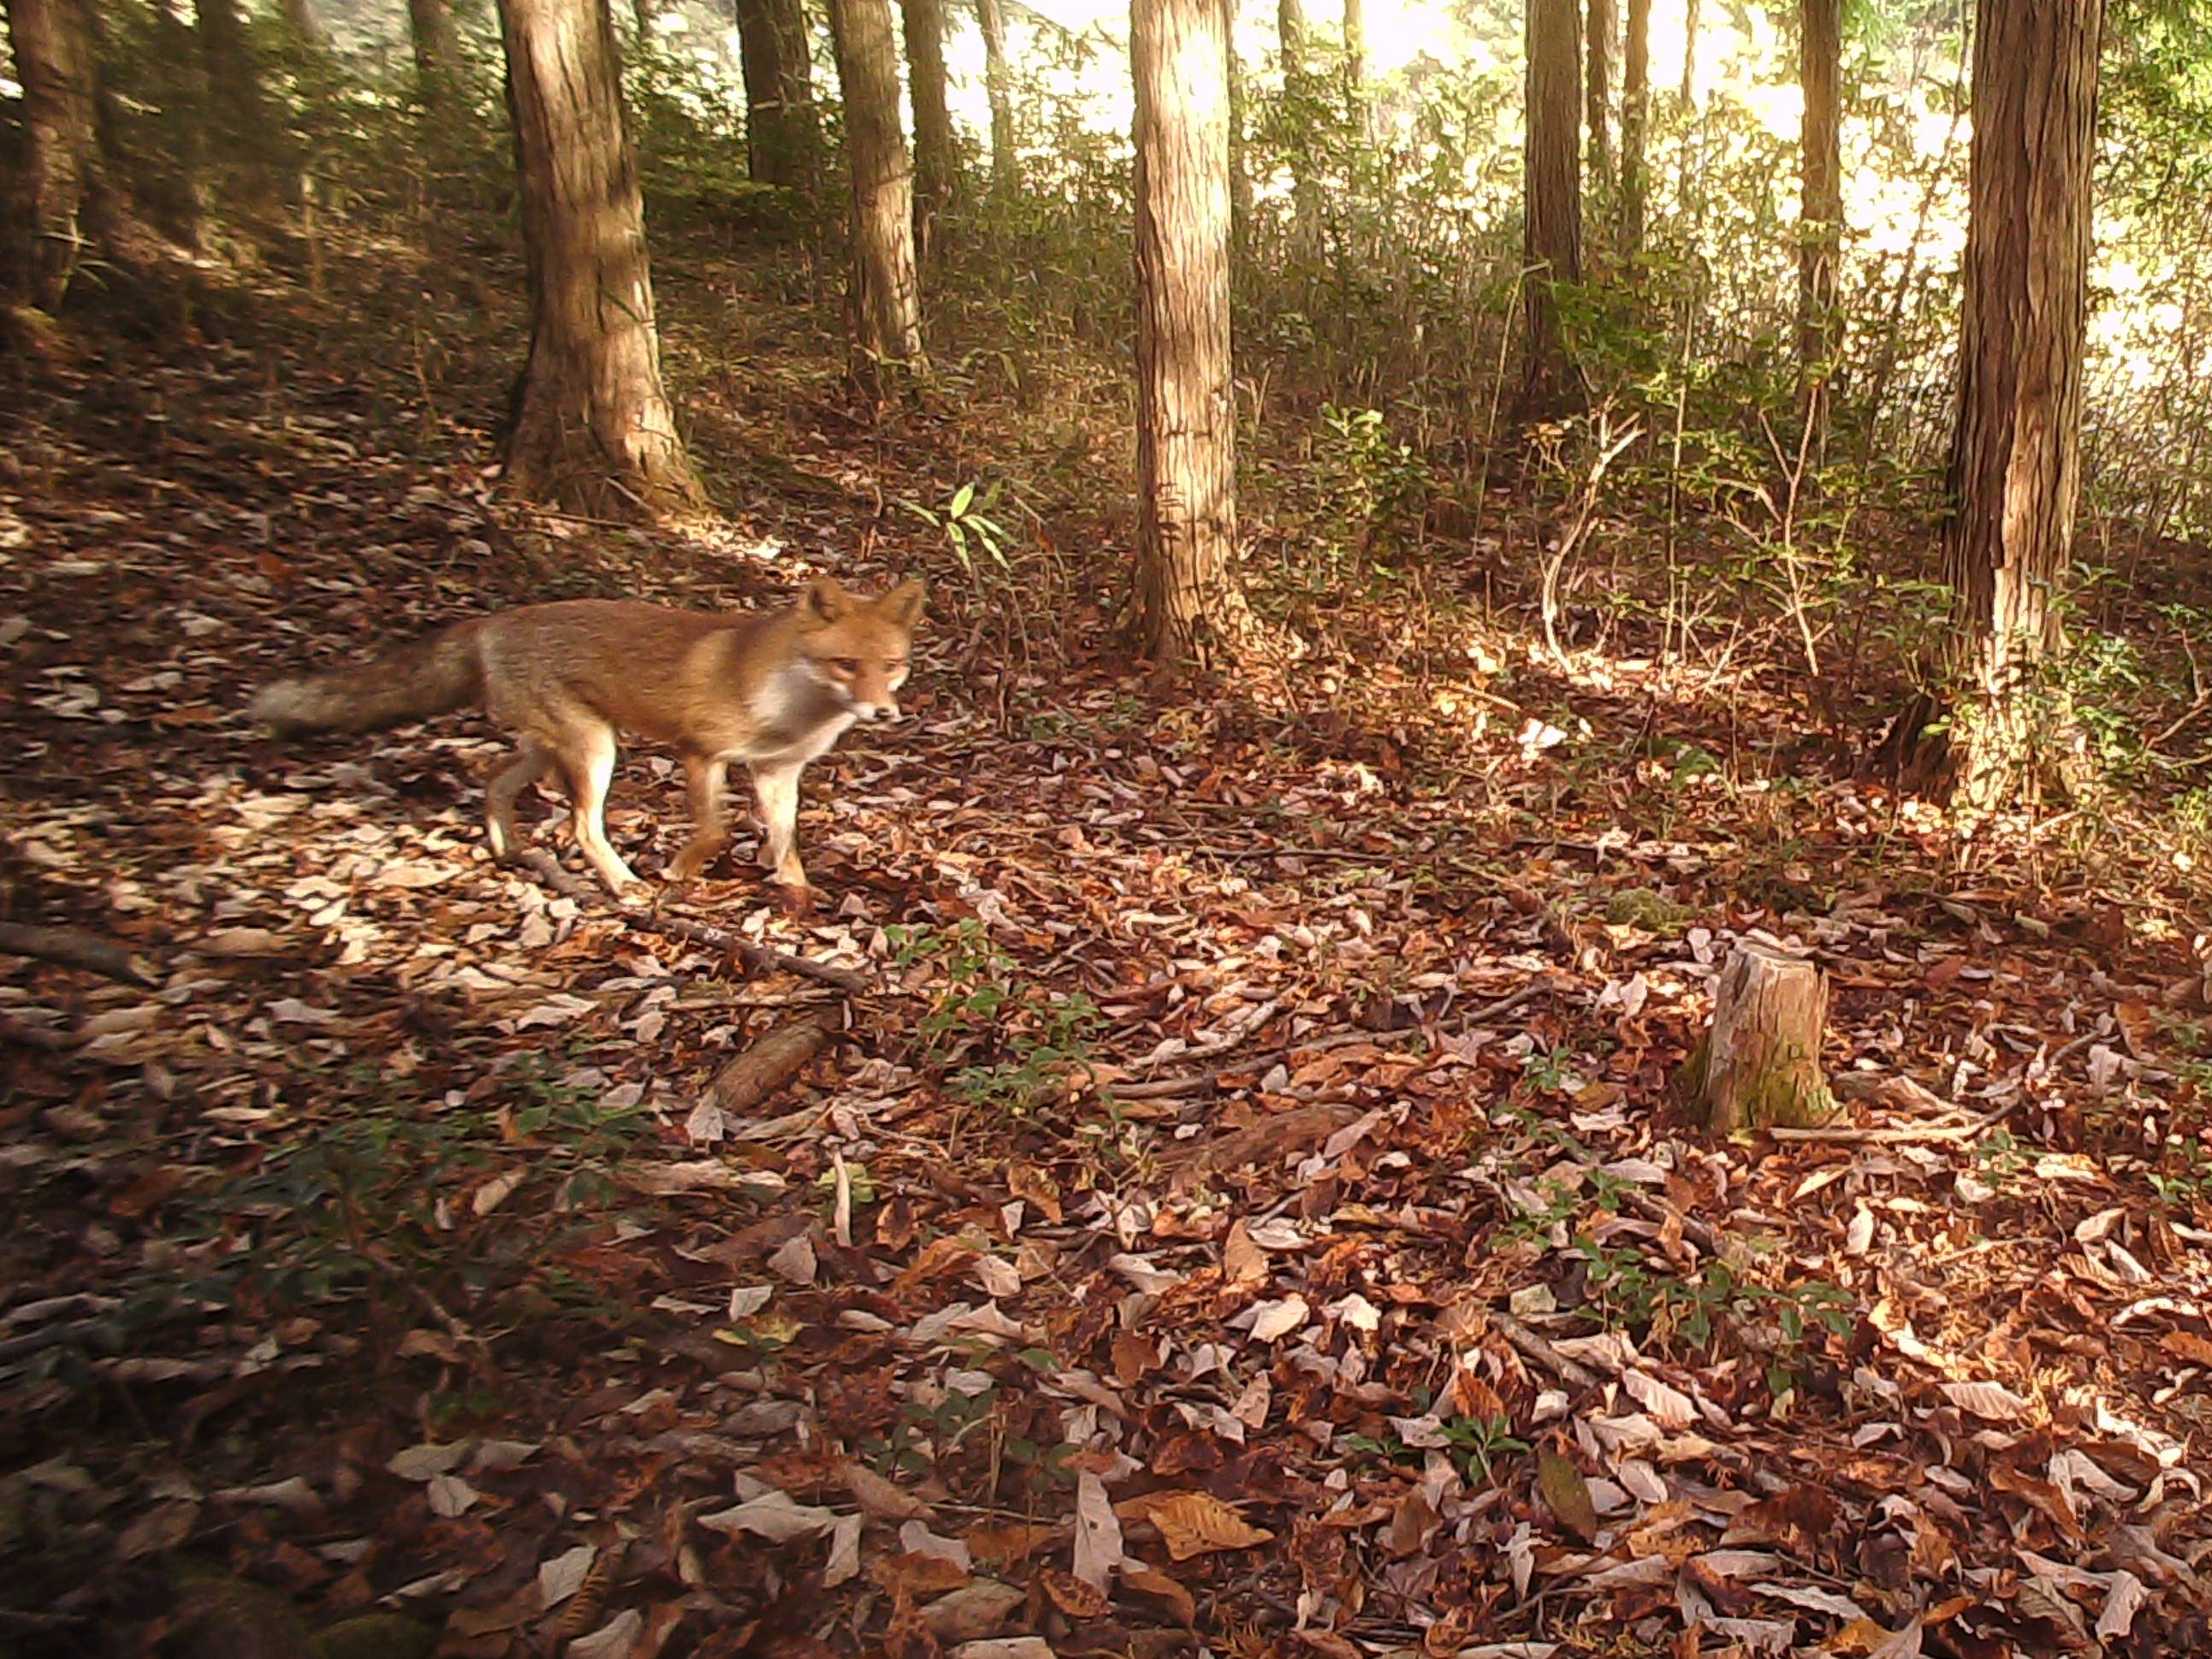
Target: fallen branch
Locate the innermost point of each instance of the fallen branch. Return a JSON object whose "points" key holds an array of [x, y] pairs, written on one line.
{"points": [[73, 948], [1533, 1347], [761, 959], [771, 1060], [1847, 1137], [1178, 1088]]}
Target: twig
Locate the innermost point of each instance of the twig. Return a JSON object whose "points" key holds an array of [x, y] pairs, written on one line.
{"points": [[761, 959], [1176, 1088], [1535, 1347], [74, 948], [1849, 1137]]}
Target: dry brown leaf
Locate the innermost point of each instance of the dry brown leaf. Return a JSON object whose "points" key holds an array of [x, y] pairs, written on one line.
{"points": [[1147, 1581], [1193, 1523], [1072, 1596]]}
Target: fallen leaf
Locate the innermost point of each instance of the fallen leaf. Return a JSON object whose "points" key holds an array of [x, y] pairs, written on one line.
{"points": [[1567, 1493]]}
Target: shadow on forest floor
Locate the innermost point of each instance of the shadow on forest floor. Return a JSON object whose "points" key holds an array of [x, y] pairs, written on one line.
{"points": [[1244, 1198]]}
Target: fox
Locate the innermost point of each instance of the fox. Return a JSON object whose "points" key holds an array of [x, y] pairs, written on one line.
{"points": [[772, 691]]}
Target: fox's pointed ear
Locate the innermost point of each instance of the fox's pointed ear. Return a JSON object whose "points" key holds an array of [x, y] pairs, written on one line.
{"points": [[824, 600], [903, 604]]}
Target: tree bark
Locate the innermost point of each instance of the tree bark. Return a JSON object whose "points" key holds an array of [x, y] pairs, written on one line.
{"points": [[1188, 602], [307, 28], [1298, 94], [59, 73], [1552, 173], [437, 55], [884, 298], [1820, 211], [233, 74], [997, 87], [936, 158], [1240, 174], [1689, 49], [1635, 121], [1759, 1065], [1355, 43], [2015, 456], [783, 134], [1597, 90], [591, 428]]}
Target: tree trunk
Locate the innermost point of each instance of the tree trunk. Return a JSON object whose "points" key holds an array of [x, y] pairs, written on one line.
{"points": [[885, 296], [1820, 211], [1689, 51], [307, 28], [590, 427], [1355, 42], [783, 137], [1635, 121], [233, 76], [1552, 174], [997, 86], [935, 162], [1297, 95], [1240, 175], [1188, 603], [58, 71], [430, 24], [2015, 456], [1759, 1065], [1597, 92]]}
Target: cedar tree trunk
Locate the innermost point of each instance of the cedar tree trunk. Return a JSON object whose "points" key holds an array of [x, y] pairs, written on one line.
{"points": [[1240, 175], [1597, 92], [1298, 90], [1355, 42], [885, 296], [430, 25], [1553, 232], [1188, 603], [1635, 121], [935, 162], [2015, 456], [1759, 1064], [783, 137], [591, 426], [1820, 212], [997, 86], [233, 76], [58, 69], [1689, 49]]}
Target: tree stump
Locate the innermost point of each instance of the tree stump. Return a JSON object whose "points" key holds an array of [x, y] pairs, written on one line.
{"points": [[1759, 1065]]}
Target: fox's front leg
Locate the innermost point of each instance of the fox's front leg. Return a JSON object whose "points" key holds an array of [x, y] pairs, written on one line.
{"points": [[709, 835], [777, 788]]}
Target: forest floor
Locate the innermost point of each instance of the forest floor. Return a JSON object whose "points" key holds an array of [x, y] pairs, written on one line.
{"points": [[1242, 1205]]}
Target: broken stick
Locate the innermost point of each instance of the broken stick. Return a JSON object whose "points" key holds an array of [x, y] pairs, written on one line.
{"points": [[74, 948], [771, 1060], [761, 958]]}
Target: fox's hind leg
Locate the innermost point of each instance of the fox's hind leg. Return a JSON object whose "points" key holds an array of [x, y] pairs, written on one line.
{"points": [[708, 834], [530, 763], [588, 755]]}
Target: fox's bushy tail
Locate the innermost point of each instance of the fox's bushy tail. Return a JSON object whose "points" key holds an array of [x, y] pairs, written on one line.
{"points": [[433, 675]]}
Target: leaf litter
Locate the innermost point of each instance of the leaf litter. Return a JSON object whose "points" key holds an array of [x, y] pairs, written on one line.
{"points": [[1243, 1203]]}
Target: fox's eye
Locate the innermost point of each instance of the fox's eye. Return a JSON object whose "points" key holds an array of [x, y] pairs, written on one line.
{"points": [[894, 664], [847, 665]]}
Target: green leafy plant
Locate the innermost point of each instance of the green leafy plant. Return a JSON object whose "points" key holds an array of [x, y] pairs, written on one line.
{"points": [[965, 523]]}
